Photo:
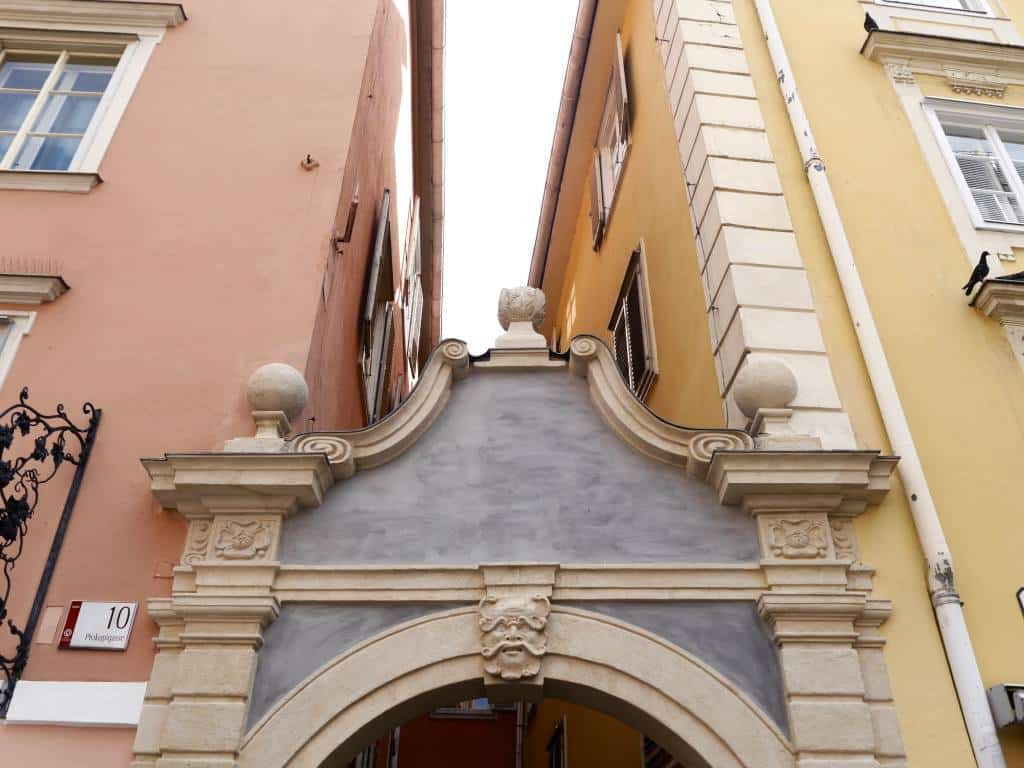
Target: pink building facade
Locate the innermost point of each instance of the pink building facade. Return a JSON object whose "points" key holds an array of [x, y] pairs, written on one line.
{"points": [[221, 186]]}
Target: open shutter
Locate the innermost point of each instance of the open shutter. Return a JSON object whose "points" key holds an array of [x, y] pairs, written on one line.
{"points": [[622, 94], [989, 188], [414, 323], [381, 245], [620, 344], [596, 204], [379, 360]]}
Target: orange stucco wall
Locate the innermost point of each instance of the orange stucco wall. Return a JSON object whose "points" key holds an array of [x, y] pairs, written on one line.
{"points": [[198, 259]]}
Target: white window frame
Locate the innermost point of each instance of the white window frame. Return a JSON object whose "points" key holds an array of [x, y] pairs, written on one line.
{"points": [[611, 150], [989, 117], [981, 7], [130, 30], [21, 325]]}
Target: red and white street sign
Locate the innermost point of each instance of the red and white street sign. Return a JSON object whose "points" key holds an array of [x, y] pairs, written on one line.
{"points": [[99, 626]]}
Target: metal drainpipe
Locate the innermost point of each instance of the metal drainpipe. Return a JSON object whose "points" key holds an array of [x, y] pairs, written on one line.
{"points": [[948, 607]]}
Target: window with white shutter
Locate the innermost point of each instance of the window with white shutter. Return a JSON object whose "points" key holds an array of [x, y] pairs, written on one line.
{"points": [[984, 147], [632, 328], [613, 140], [968, 6], [412, 294], [378, 307]]}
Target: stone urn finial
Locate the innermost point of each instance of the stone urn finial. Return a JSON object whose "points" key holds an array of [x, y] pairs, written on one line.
{"points": [[520, 312], [277, 393]]}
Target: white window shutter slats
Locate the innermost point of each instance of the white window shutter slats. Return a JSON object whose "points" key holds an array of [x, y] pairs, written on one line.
{"points": [[596, 203], [990, 188]]}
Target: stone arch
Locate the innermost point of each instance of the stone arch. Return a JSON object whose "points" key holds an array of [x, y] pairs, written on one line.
{"points": [[640, 678]]}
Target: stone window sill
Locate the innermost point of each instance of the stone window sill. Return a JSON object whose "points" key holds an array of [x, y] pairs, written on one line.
{"points": [[31, 289], [49, 181], [1002, 299]]}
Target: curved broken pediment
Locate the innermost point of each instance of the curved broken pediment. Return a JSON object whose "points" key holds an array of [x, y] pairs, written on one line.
{"points": [[589, 357]]}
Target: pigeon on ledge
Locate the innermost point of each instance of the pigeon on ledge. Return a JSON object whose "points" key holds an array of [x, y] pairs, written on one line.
{"points": [[870, 25], [980, 273]]}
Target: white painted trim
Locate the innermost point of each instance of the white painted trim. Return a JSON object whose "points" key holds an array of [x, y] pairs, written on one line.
{"points": [[49, 181], [975, 233], [74, 703], [131, 29], [22, 325]]}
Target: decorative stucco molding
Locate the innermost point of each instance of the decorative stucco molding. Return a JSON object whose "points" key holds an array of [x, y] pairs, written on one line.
{"points": [[31, 289], [1002, 299], [243, 540], [973, 67], [46, 13], [590, 358], [512, 635]]}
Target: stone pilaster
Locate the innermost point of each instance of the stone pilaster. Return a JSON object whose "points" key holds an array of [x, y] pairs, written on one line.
{"points": [[222, 598], [757, 293]]}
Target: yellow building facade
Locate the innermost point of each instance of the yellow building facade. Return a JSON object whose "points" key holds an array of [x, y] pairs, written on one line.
{"points": [[680, 224]]}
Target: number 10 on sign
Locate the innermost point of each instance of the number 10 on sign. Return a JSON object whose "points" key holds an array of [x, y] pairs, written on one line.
{"points": [[99, 626]]}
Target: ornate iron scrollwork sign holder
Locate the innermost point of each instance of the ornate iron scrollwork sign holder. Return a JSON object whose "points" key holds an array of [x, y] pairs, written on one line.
{"points": [[54, 440]]}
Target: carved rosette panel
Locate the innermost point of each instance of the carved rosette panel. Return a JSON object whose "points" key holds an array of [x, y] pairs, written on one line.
{"points": [[512, 635], [843, 539], [198, 541], [792, 538], [244, 539]]}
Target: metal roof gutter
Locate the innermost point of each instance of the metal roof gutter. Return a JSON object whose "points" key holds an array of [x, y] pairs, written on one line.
{"points": [[564, 124]]}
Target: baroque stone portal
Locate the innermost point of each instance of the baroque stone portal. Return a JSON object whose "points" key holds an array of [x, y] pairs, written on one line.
{"points": [[512, 635]]}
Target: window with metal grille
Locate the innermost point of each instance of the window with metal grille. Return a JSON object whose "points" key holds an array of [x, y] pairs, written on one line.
{"points": [[632, 328], [985, 151]]}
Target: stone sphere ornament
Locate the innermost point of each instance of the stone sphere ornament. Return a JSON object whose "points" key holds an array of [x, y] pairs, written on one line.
{"points": [[278, 387], [521, 305], [764, 383]]}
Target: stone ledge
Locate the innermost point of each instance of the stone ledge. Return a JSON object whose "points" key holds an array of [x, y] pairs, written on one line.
{"points": [[47, 181], [845, 476], [1001, 298], [31, 289]]}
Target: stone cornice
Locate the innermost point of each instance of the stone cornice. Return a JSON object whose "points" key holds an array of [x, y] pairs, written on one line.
{"points": [[1001, 299], [102, 12], [31, 289], [636, 424], [954, 58], [195, 482], [823, 479]]}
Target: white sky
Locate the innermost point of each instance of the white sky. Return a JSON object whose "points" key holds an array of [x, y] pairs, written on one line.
{"points": [[504, 66]]}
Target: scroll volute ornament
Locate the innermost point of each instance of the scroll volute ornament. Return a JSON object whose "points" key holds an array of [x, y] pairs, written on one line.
{"points": [[512, 635]]}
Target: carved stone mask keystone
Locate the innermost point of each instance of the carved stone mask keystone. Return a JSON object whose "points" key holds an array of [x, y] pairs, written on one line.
{"points": [[512, 635]]}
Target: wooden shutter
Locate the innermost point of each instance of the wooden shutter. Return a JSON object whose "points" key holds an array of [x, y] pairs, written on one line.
{"points": [[414, 323], [380, 359], [989, 188], [596, 204], [620, 344], [632, 329], [621, 91], [381, 247]]}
